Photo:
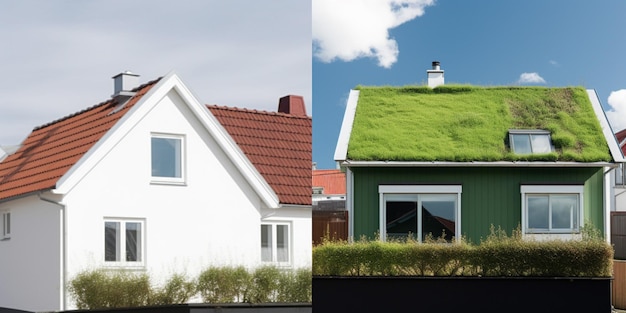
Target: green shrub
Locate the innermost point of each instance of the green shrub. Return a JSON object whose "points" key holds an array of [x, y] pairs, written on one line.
{"points": [[178, 289], [224, 284], [99, 289], [498, 255], [265, 284], [295, 286]]}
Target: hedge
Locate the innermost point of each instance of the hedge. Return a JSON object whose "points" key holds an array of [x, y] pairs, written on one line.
{"points": [[498, 255], [100, 288]]}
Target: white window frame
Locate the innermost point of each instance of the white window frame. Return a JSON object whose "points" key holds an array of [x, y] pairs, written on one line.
{"points": [[527, 190], [121, 242], [6, 225], [417, 190], [183, 155], [274, 244]]}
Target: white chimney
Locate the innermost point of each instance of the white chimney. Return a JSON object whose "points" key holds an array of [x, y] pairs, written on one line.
{"points": [[123, 83], [435, 76]]}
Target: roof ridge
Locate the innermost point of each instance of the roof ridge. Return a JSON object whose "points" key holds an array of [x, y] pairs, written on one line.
{"points": [[109, 101], [263, 112]]}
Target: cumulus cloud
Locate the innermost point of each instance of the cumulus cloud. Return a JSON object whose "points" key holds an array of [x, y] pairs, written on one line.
{"points": [[530, 78], [617, 112], [351, 29]]}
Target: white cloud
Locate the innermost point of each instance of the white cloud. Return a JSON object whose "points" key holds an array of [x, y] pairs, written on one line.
{"points": [[351, 29], [617, 112], [530, 78], [554, 63]]}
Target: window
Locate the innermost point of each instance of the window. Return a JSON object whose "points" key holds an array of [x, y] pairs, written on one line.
{"points": [[167, 158], [620, 175], [419, 211], [551, 209], [275, 243], [123, 242], [6, 225], [530, 141]]}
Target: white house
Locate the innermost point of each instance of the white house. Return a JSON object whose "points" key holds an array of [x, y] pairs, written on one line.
{"points": [[151, 180]]}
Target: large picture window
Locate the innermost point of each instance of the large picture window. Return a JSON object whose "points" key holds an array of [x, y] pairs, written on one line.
{"points": [[123, 242], [167, 158], [419, 211], [551, 209], [275, 243]]}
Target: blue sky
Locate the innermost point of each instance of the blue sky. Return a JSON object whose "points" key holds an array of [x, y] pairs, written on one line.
{"points": [[478, 42], [58, 57]]}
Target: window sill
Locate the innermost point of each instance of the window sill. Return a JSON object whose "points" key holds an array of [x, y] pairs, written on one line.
{"points": [[125, 265], [168, 182], [279, 265]]}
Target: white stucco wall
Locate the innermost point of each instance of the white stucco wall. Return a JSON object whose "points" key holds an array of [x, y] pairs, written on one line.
{"points": [[214, 219], [30, 261]]}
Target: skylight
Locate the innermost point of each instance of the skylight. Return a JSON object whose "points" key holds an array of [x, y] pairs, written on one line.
{"points": [[528, 141]]}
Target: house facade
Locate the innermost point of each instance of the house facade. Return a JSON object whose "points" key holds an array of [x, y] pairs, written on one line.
{"points": [[455, 161], [147, 181]]}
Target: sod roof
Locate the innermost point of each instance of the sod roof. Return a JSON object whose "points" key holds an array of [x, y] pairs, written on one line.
{"points": [[458, 123]]}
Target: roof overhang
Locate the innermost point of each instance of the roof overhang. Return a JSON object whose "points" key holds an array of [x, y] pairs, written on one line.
{"points": [[349, 163]]}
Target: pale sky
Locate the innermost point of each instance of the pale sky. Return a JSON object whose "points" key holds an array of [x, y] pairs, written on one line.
{"points": [[58, 57]]}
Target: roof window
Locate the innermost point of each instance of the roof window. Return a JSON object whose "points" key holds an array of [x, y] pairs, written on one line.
{"points": [[529, 141]]}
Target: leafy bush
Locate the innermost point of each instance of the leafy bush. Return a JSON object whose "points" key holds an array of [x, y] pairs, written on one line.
{"points": [[498, 255], [295, 286], [223, 284], [98, 289], [177, 289]]}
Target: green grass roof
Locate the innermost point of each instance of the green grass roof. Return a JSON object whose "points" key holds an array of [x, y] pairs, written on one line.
{"points": [[467, 123]]}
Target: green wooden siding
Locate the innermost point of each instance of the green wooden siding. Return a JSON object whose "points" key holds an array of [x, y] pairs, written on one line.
{"points": [[491, 196]]}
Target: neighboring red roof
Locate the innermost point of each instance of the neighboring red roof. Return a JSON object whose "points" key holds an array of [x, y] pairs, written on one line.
{"points": [[52, 149], [333, 181], [277, 144], [621, 136]]}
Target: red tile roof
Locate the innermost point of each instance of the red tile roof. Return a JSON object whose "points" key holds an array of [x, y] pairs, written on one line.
{"points": [[277, 144], [52, 149], [333, 181]]}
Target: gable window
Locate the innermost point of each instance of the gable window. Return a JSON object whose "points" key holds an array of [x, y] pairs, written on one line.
{"points": [[530, 141], [419, 211], [275, 243], [167, 158], [551, 209], [123, 242], [6, 225]]}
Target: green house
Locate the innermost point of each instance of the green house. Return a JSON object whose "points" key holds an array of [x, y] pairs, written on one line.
{"points": [[454, 160]]}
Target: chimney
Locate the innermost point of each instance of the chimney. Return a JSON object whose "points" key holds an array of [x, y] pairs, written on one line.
{"points": [[435, 76], [293, 105], [123, 83]]}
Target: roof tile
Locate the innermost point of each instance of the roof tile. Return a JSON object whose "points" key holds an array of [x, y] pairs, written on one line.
{"points": [[277, 144], [52, 149]]}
